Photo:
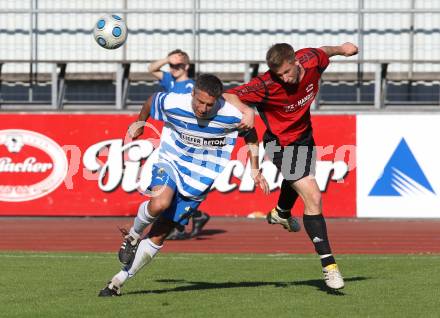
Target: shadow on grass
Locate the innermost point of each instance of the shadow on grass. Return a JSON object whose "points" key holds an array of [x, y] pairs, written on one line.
{"points": [[320, 285], [192, 286]]}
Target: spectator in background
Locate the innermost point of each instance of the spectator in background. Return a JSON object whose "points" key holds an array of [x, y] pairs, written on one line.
{"points": [[177, 79]]}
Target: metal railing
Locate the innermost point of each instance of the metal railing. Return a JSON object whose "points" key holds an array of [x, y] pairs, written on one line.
{"points": [[122, 79]]}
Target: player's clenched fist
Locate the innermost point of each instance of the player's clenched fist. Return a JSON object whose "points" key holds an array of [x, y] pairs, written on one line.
{"points": [[349, 49]]}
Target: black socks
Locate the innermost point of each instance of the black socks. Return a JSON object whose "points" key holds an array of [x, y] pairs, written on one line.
{"points": [[286, 200], [317, 230]]}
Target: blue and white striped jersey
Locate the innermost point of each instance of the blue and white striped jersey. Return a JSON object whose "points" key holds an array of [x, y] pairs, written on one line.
{"points": [[197, 149]]}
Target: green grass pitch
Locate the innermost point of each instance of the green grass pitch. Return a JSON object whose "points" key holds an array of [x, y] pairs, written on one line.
{"points": [[219, 285]]}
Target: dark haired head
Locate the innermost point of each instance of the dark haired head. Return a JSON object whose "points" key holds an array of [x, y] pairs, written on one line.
{"points": [[210, 84]]}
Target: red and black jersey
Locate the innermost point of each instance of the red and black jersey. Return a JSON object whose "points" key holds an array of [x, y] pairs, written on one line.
{"points": [[285, 108]]}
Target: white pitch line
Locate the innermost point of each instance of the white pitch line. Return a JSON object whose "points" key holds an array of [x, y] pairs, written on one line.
{"points": [[269, 257]]}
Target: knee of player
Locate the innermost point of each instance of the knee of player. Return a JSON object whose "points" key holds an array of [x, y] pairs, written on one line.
{"points": [[157, 206], [316, 198]]}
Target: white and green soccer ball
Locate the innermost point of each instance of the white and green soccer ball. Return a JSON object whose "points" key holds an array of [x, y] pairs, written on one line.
{"points": [[110, 31]]}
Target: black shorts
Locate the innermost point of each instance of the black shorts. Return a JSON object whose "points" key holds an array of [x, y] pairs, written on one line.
{"points": [[295, 161]]}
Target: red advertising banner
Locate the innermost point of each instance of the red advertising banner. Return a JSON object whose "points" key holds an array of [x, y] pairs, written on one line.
{"points": [[82, 165]]}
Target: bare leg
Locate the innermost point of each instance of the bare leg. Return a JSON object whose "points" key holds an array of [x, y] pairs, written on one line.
{"points": [[149, 210]]}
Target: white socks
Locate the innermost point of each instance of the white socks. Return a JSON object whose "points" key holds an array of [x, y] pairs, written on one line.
{"points": [[141, 221], [144, 255]]}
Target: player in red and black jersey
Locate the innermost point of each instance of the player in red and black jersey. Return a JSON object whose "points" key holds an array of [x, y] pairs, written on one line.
{"points": [[283, 96]]}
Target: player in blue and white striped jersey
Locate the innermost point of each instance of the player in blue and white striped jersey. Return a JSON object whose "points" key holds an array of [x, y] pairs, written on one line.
{"points": [[200, 132], [196, 146]]}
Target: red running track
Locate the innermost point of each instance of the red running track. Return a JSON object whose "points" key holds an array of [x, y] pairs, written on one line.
{"points": [[224, 235]]}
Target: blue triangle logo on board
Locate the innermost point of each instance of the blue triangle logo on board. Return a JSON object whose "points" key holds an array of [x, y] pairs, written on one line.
{"points": [[402, 175]]}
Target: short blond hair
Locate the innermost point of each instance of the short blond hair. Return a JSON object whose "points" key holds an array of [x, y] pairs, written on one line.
{"points": [[278, 54]]}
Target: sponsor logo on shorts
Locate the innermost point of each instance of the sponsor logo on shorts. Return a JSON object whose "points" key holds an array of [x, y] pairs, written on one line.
{"points": [[200, 141], [31, 165]]}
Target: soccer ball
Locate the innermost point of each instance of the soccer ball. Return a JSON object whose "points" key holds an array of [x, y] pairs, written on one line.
{"points": [[110, 32]]}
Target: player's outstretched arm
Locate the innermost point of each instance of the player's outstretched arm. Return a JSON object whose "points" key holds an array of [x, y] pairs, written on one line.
{"points": [[346, 49], [248, 119], [137, 128], [251, 139], [154, 68]]}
